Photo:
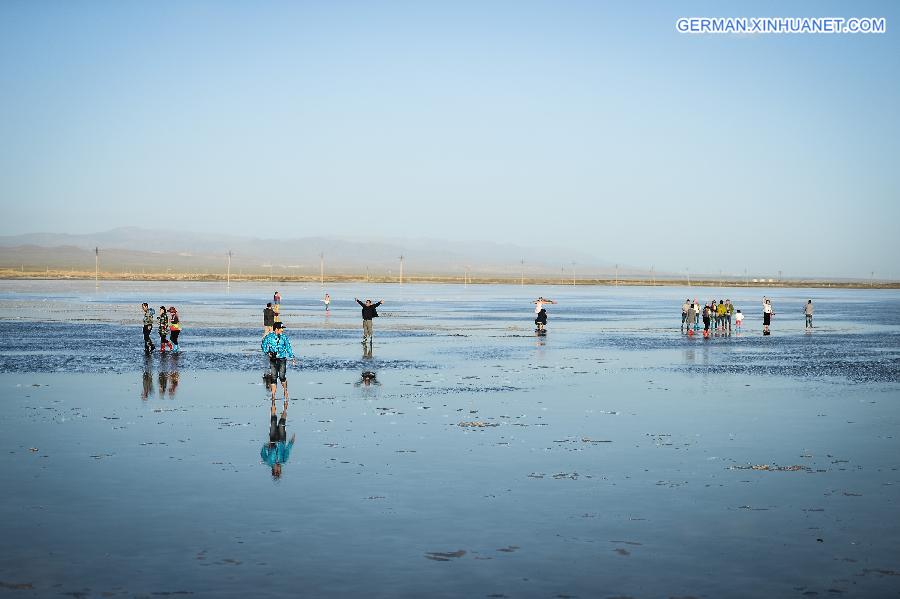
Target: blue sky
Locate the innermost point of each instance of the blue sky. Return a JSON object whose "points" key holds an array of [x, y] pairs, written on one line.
{"points": [[581, 124]]}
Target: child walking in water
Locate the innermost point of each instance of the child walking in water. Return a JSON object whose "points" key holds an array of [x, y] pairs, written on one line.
{"points": [[738, 321]]}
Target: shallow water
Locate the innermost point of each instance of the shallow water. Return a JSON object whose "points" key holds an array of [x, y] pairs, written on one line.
{"points": [[612, 458]]}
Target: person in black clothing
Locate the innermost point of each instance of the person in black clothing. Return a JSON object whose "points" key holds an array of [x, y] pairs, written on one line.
{"points": [[541, 321], [368, 313], [268, 319], [707, 313]]}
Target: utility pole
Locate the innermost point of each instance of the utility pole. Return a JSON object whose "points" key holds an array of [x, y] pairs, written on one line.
{"points": [[652, 276], [617, 275], [401, 269], [321, 269], [96, 268], [573, 274], [367, 274], [228, 276], [688, 271], [522, 262], [466, 278]]}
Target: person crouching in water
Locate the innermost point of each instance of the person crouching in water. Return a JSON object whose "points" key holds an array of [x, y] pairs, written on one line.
{"points": [[541, 320], [277, 347], [162, 323]]}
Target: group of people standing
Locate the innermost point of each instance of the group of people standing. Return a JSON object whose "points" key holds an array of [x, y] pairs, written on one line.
{"points": [[717, 317], [277, 345], [167, 323]]}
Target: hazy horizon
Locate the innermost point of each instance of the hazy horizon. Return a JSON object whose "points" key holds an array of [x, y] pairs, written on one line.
{"points": [[597, 129]]}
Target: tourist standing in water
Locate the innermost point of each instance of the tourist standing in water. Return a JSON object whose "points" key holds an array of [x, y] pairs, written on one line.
{"points": [[162, 324], [707, 314], [268, 319], [148, 327], [685, 307], [767, 315], [368, 313], [720, 315], [277, 347], [174, 327], [729, 311], [327, 302], [808, 310]]}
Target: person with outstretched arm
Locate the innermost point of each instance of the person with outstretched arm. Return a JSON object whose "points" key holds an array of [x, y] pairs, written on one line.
{"points": [[368, 313]]}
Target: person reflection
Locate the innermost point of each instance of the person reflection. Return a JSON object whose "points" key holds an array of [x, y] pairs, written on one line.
{"points": [[277, 451], [367, 379], [173, 375], [147, 377], [367, 351], [168, 377]]}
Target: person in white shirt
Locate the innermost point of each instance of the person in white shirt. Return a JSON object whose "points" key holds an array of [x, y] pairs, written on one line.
{"points": [[767, 315]]}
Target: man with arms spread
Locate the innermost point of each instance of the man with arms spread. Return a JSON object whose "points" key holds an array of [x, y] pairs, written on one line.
{"points": [[368, 313]]}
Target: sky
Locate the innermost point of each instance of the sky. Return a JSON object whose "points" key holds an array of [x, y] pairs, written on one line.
{"points": [[584, 125]]}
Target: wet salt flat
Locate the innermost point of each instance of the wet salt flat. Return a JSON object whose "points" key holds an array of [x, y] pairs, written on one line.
{"points": [[613, 458]]}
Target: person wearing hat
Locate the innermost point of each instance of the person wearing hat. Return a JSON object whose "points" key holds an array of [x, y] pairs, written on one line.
{"points": [[174, 328], [277, 347]]}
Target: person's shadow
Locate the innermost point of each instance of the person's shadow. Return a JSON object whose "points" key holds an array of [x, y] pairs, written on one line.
{"points": [[277, 451]]}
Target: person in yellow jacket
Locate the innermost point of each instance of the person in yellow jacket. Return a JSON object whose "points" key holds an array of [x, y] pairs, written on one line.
{"points": [[720, 315]]}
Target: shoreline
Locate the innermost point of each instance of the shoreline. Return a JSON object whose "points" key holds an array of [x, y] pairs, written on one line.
{"points": [[12, 275]]}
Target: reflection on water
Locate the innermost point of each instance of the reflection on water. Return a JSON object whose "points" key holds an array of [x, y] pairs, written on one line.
{"points": [[277, 451], [167, 376], [367, 379]]}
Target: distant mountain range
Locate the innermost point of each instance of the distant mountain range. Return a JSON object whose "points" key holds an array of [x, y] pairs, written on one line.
{"points": [[135, 249]]}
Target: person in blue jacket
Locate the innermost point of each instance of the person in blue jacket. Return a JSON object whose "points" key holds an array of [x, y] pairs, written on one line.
{"points": [[277, 451], [277, 347]]}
